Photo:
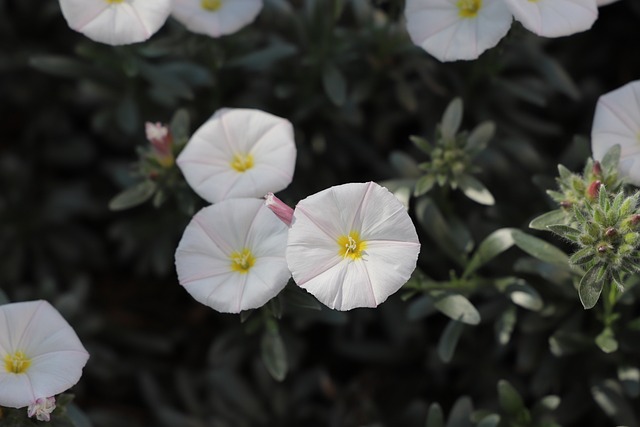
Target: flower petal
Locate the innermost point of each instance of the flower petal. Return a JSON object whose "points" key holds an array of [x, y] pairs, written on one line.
{"points": [[554, 18], [229, 18]]}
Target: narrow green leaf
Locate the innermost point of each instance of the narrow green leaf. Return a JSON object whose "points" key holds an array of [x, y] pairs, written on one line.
{"points": [[558, 216], [611, 158], [591, 286], [493, 245], [609, 396], [475, 190], [629, 377], [583, 256], [179, 126], [540, 249], [480, 137], [451, 119], [133, 196], [504, 326], [457, 307], [265, 58], [509, 398], [424, 184], [449, 340], [421, 143], [460, 414], [433, 222], [565, 231], [435, 417], [61, 66], [420, 308], [491, 420], [335, 86], [300, 298], [274, 355], [606, 341], [521, 293]]}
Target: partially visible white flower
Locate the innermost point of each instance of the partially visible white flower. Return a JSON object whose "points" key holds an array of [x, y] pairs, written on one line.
{"points": [[216, 18], [232, 255], [239, 153], [554, 18], [457, 29], [42, 408], [605, 2], [41, 354], [116, 22], [617, 121], [352, 245]]}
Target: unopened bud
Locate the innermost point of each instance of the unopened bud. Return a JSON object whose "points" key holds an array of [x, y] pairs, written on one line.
{"points": [[42, 408], [160, 138], [635, 219], [603, 248], [594, 189], [280, 208], [565, 204], [611, 232], [597, 169]]}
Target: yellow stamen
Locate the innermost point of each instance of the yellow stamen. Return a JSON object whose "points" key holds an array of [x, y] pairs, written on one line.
{"points": [[351, 246], [17, 363], [469, 8], [242, 162], [211, 5], [114, 1], [242, 261]]}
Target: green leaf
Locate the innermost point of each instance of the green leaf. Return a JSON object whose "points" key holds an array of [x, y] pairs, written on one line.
{"points": [[629, 377], [565, 231], [300, 298], [77, 417], [558, 216], [509, 398], [611, 158], [557, 76], [420, 307], [133, 196], [503, 328], [457, 307], [404, 165], [179, 126], [460, 414], [335, 86], [424, 184], [493, 245], [591, 286], [265, 58], [606, 340], [61, 66], [439, 230], [4, 299], [127, 115], [540, 249], [421, 143], [274, 355], [491, 420], [475, 190], [480, 137], [449, 340], [451, 119], [435, 417], [520, 293], [609, 396]]}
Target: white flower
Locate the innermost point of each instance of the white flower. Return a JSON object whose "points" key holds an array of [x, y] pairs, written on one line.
{"points": [[41, 354], [116, 22], [457, 29], [554, 18], [42, 408], [617, 121], [232, 255], [216, 18], [352, 245], [239, 153]]}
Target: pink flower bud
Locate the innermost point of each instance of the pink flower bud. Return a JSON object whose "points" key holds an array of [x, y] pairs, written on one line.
{"points": [[160, 138], [594, 189], [597, 169], [42, 408], [283, 211]]}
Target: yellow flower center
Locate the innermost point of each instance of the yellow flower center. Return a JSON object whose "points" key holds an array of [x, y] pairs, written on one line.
{"points": [[211, 5], [242, 261], [18, 362], [469, 8], [242, 162], [351, 246], [114, 1]]}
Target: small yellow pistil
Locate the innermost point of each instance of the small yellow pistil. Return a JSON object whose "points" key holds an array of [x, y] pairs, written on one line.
{"points": [[351, 246], [18, 362], [242, 162], [211, 5], [468, 8], [242, 261], [114, 1]]}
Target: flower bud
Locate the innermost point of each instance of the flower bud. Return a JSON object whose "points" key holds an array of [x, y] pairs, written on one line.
{"points": [[566, 204], [603, 248], [42, 408], [593, 189], [283, 211], [160, 138], [597, 169], [611, 232]]}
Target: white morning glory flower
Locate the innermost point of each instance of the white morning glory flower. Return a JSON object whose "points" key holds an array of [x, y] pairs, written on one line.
{"points": [[40, 353], [239, 153], [617, 121], [216, 18], [457, 29], [116, 22], [352, 245], [232, 255], [554, 18]]}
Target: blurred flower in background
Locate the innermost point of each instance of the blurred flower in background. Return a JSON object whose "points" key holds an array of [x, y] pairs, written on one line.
{"points": [[352, 245], [216, 18], [554, 18], [617, 121], [232, 255], [116, 22], [239, 153], [42, 355]]}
